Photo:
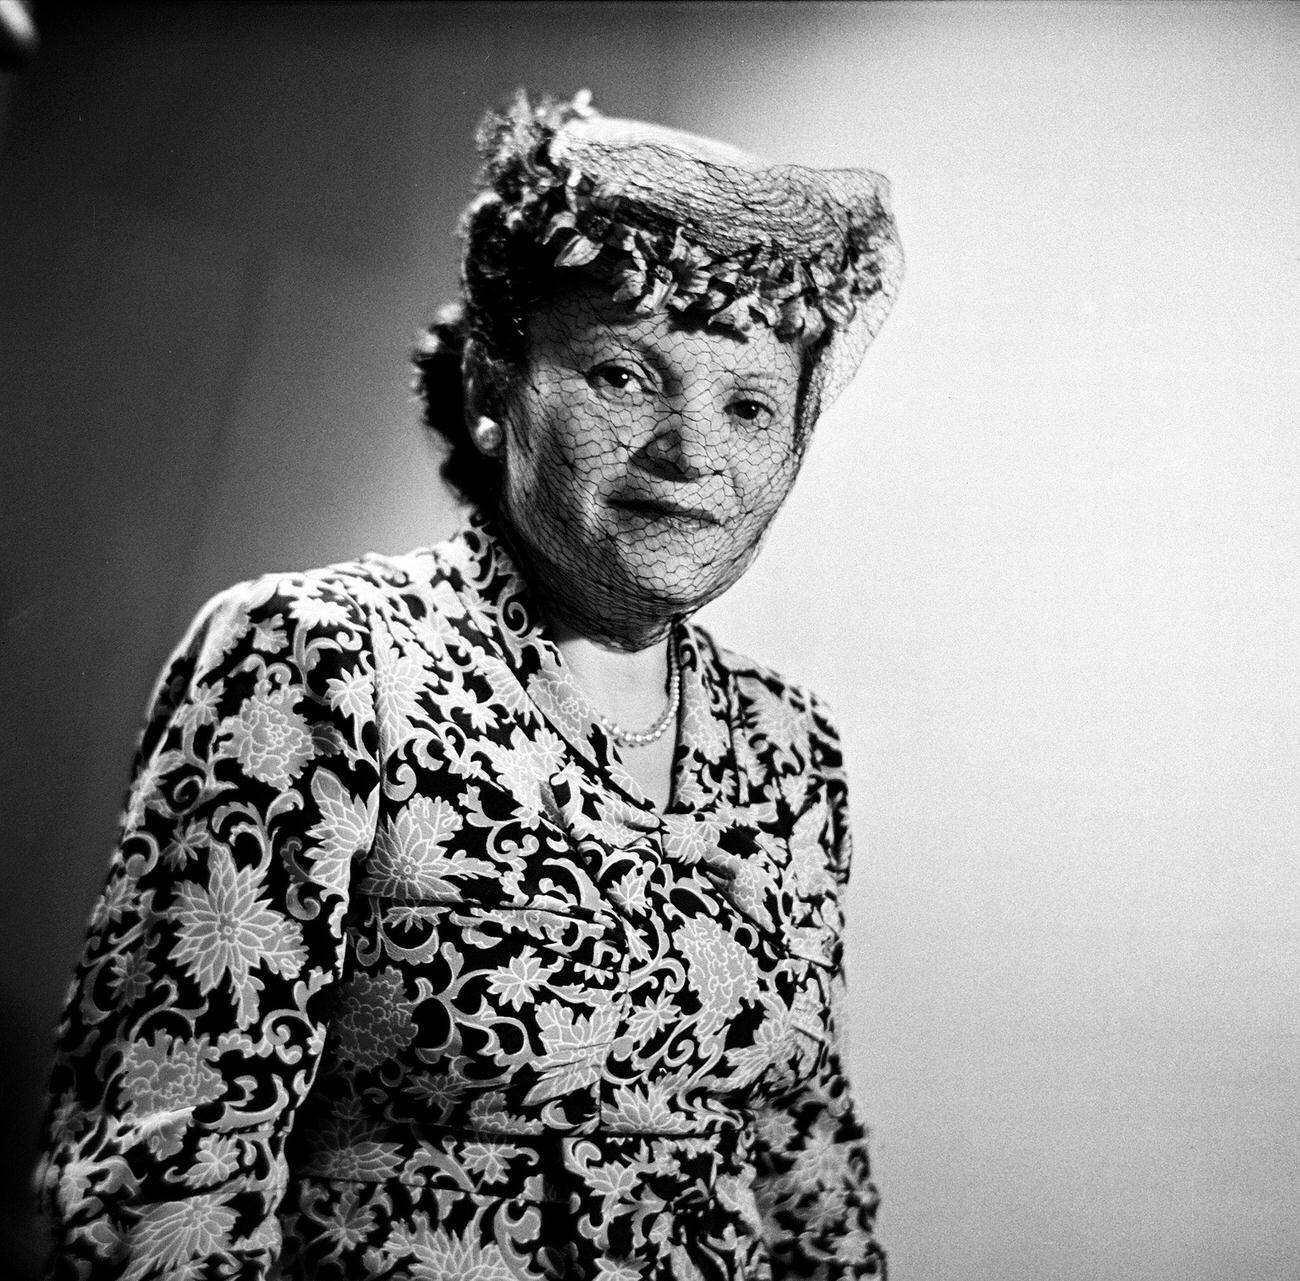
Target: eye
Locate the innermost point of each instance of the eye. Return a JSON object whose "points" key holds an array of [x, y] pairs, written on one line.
{"points": [[754, 412], [616, 379]]}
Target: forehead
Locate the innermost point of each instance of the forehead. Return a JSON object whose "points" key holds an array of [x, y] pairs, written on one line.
{"points": [[584, 321]]}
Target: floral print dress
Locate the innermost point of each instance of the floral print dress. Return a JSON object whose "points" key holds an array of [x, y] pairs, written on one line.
{"points": [[397, 973]]}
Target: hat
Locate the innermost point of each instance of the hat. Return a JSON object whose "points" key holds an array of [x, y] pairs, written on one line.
{"points": [[672, 221]]}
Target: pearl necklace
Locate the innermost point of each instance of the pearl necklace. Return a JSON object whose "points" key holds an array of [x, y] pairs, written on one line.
{"points": [[643, 738]]}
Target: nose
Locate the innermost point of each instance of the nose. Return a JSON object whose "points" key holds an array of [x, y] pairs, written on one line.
{"points": [[688, 443]]}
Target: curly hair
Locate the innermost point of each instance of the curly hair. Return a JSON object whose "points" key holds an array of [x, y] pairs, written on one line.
{"points": [[505, 272], [480, 337], [440, 386]]}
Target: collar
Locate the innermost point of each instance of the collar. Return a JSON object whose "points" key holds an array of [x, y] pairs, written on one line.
{"points": [[502, 622]]}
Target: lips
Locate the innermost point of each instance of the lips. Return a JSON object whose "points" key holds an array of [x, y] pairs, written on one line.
{"points": [[666, 509]]}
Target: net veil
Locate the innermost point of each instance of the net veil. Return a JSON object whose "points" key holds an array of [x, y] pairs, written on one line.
{"points": [[650, 323]]}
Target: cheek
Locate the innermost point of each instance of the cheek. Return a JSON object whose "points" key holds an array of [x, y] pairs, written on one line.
{"points": [[563, 445], [597, 437], [764, 471]]}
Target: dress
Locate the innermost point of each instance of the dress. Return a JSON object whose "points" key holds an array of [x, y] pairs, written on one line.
{"points": [[398, 974]]}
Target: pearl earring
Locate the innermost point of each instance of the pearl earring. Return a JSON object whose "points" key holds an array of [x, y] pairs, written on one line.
{"points": [[488, 436]]}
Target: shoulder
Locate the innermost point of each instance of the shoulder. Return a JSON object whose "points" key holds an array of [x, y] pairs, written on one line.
{"points": [[777, 712], [317, 601], [264, 654], [316, 620]]}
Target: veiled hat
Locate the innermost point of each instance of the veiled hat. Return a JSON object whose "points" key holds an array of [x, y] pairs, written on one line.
{"points": [[672, 221]]}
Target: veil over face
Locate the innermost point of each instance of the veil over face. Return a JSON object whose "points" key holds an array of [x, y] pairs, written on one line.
{"points": [[645, 456]]}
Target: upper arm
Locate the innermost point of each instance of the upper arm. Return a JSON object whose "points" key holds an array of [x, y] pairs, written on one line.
{"points": [[197, 1012]]}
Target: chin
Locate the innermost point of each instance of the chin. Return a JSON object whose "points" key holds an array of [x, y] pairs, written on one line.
{"points": [[680, 584]]}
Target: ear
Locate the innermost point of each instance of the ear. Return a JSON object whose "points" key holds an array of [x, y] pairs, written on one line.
{"points": [[482, 385]]}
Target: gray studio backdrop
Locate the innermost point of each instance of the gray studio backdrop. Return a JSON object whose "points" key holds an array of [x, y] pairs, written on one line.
{"points": [[1042, 560]]}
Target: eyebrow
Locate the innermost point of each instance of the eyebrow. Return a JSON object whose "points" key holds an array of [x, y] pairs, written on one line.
{"points": [[643, 348], [759, 376], [648, 350]]}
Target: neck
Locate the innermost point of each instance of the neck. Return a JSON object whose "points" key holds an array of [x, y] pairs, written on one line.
{"points": [[609, 624], [626, 686]]}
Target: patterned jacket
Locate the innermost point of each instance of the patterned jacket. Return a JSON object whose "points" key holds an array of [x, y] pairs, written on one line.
{"points": [[397, 973]]}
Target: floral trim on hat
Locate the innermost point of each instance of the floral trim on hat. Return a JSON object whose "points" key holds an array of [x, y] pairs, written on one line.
{"points": [[655, 263]]}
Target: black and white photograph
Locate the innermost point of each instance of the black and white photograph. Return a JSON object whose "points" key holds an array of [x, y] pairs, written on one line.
{"points": [[650, 641]]}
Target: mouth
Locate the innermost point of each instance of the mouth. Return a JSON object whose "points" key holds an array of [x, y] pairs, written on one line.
{"points": [[661, 509]]}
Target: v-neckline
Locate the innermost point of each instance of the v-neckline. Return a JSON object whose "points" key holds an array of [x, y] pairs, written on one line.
{"points": [[509, 617]]}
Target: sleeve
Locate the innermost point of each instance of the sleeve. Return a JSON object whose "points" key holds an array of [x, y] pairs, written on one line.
{"points": [[198, 1012], [813, 1181]]}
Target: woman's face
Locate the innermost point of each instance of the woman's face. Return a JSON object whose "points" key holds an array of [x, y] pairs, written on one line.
{"points": [[644, 459]]}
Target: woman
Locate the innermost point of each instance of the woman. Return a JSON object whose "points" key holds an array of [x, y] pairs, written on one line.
{"points": [[475, 916]]}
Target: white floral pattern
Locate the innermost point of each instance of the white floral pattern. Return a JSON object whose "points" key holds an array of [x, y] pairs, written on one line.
{"points": [[398, 974]]}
